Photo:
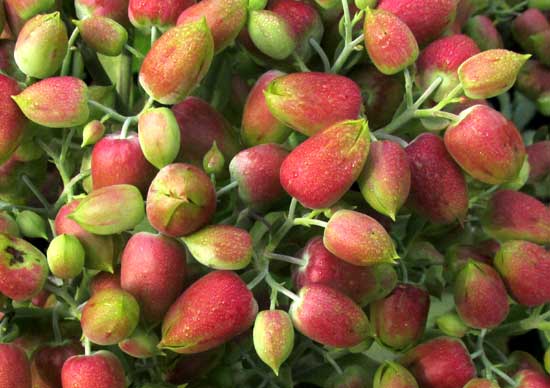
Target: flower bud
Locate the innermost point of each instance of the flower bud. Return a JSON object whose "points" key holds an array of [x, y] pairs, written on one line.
{"points": [[273, 337], [259, 126], [322, 169], [140, 344], [110, 316], [519, 360], [451, 324], [358, 239], [390, 43], [15, 366], [256, 5], [257, 171], [329, 317], [31, 224], [103, 35], [442, 362], [526, 24], [482, 383], [541, 44], [57, 102], [539, 160], [110, 210], [531, 379], [296, 100], [543, 103], [8, 225], [392, 375], [213, 310], [490, 73], [181, 200], [271, 34], [12, 121], [488, 306], [159, 136], [92, 133], [48, 360], [177, 62], [213, 161], [104, 280], [159, 13], [41, 46], [482, 30], [511, 215], [486, 145], [524, 266], [221, 247], [65, 256], [87, 371], [23, 268], [113, 9], [399, 319], [386, 178]]}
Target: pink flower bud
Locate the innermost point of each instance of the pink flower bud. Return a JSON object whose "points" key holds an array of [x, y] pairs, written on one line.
{"points": [[102, 369], [159, 13]]}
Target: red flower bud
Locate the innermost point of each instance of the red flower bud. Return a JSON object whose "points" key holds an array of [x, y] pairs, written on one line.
{"points": [[113, 9], [482, 30], [12, 121], [481, 383], [539, 160], [531, 379], [528, 23], [103, 35], [15, 366], [160, 13], [99, 370]]}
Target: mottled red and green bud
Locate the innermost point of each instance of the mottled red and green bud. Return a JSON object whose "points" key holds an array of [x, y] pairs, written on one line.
{"points": [[311, 102], [399, 319], [214, 309], [519, 360], [213, 162], [200, 126], [23, 268], [110, 210], [153, 269], [533, 79], [221, 247], [528, 23], [362, 284], [110, 316], [159, 13], [100, 250], [8, 225], [113, 9], [181, 200], [104, 280], [488, 306], [225, 18], [177, 62], [511, 215], [15, 367], [543, 103], [31, 224], [92, 133], [543, 5], [257, 170], [390, 43], [12, 121], [48, 361], [539, 160], [273, 337], [427, 19], [382, 94], [524, 266], [271, 34], [531, 379], [41, 45], [358, 239], [65, 256], [322, 169], [541, 46], [393, 375], [329, 317], [386, 178], [486, 145], [259, 126], [450, 324], [141, 344], [483, 31], [57, 102], [438, 188], [19, 11], [101, 369], [490, 72], [103, 35], [482, 383], [442, 362], [442, 58], [159, 136]]}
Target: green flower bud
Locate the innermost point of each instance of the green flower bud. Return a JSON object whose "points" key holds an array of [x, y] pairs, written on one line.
{"points": [[159, 136], [103, 35], [65, 256], [213, 161], [92, 133], [271, 34], [140, 344], [451, 324], [31, 224], [273, 337]]}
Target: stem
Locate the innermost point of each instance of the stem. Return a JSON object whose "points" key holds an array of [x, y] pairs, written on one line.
{"points": [[327, 357], [308, 222], [68, 189], [285, 228], [64, 295], [346, 52], [257, 280], [449, 97], [154, 34], [319, 50], [408, 88], [439, 114], [65, 67], [124, 84], [111, 112], [396, 139], [87, 346], [273, 284], [36, 192], [133, 51], [285, 258], [428, 92], [404, 271], [125, 127], [55, 324], [300, 63], [227, 188]]}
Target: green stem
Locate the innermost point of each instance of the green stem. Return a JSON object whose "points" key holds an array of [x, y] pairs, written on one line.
{"points": [[257, 280], [274, 285], [327, 357], [319, 50], [124, 84], [64, 295], [408, 88], [285, 228], [346, 52], [65, 67], [285, 258], [154, 34], [125, 128], [68, 189], [111, 112], [133, 51], [300, 63], [55, 324], [430, 113], [309, 222], [36, 192], [227, 188], [87, 346]]}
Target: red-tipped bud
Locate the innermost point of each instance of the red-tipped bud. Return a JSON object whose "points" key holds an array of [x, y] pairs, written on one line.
{"points": [[101, 369], [271, 34], [103, 35], [159, 13], [273, 337], [482, 30], [209, 313], [329, 317], [92, 133], [443, 362], [311, 102], [528, 23], [539, 160], [399, 319], [392, 375], [12, 121], [524, 266], [322, 169], [390, 43], [140, 344], [213, 161], [438, 188], [512, 215], [486, 145], [177, 62], [181, 200], [358, 239], [531, 379]]}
